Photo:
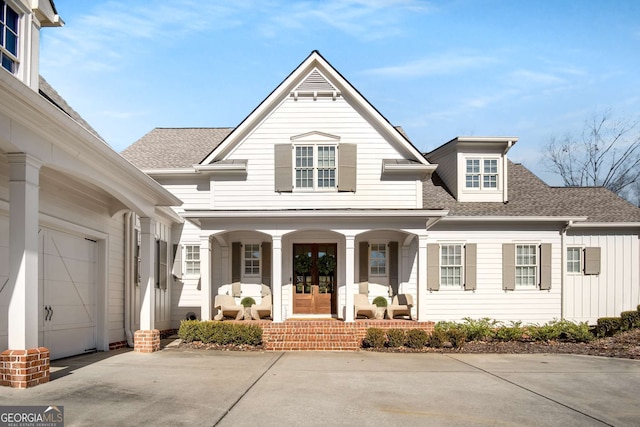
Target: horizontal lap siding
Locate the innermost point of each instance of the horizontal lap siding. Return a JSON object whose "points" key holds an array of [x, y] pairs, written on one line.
{"points": [[298, 117], [615, 289], [489, 299]]}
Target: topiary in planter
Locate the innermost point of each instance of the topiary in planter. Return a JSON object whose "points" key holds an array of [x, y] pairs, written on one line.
{"points": [[247, 302], [380, 301]]}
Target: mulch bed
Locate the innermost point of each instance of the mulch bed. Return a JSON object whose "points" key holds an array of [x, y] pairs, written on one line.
{"points": [[623, 345]]}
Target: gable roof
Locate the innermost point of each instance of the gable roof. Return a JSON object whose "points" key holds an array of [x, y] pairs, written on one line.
{"points": [[313, 76], [51, 95], [168, 148], [529, 196]]}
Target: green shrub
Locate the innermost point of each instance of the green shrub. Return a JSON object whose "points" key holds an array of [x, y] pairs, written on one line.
{"points": [[630, 320], [380, 301], [374, 338], [189, 330], [445, 326], [608, 326], [457, 337], [247, 302], [513, 332], [574, 332], [544, 333], [395, 337], [480, 329], [416, 338], [437, 338]]}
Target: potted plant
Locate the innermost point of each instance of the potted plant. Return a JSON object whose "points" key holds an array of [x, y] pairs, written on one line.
{"points": [[381, 303]]}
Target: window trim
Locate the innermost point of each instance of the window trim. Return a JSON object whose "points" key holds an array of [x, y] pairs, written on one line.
{"points": [[482, 174], [580, 260], [536, 266], [386, 259], [194, 261], [8, 4], [315, 146], [461, 266], [244, 273]]}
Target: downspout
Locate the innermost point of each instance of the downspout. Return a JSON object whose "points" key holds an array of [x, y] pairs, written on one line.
{"points": [[563, 255], [128, 275], [505, 183]]}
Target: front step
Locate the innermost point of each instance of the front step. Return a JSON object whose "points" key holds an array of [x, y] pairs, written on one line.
{"points": [[332, 335]]}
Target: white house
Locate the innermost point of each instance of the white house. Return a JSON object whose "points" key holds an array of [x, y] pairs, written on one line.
{"points": [[70, 208], [316, 195]]}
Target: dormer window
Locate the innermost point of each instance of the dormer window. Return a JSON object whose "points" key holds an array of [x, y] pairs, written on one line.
{"points": [[315, 167], [481, 173], [9, 19]]}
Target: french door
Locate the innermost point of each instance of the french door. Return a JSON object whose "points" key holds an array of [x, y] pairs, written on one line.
{"points": [[314, 272]]}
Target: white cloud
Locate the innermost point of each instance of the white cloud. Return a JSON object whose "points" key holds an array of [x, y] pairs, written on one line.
{"points": [[435, 65]]}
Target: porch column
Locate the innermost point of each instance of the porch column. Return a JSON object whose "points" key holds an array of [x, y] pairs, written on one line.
{"points": [[18, 362], [421, 286], [276, 272], [349, 277], [206, 304], [147, 339]]}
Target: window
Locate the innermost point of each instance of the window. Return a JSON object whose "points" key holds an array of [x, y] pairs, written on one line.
{"points": [[252, 259], [378, 259], [482, 172], [192, 260], [8, 37], [526, 265], [451, 265], [574, 260], [315, 167]]}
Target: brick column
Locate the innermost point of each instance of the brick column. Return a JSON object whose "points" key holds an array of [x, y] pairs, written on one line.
{"points": [[147, 341], [24, 368]]}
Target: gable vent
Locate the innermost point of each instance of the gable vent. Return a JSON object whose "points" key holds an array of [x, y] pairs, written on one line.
{"points": [[315, 85]]}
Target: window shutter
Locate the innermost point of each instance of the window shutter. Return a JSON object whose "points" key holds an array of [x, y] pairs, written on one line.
{"points": [[161, 280], [363, 262], [508, 266], [136, 258], [265, 263], [470, 267], [393, 267], [592, 260], [236, 261], [545, 266], [283, 168], [176, 269], [433, 266], [347, 161]]}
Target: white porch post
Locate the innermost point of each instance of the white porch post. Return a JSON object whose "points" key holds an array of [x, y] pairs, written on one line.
{"points": [[206, 304], [147, 274], [24, 181], [421, 287], [276, 280], [349, 277]]}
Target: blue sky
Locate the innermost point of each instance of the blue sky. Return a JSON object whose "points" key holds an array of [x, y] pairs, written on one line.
{"points": [[531, 69]]}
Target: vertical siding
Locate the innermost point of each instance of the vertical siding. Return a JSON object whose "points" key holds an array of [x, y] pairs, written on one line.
{"points": [[616, 288], [4, 276], [115, 281]]}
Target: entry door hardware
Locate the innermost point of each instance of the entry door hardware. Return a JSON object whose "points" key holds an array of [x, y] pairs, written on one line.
{"points": [[49, 313]]}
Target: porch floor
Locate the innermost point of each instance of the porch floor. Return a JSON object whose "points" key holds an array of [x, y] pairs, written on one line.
{"points": [[326, 334]]}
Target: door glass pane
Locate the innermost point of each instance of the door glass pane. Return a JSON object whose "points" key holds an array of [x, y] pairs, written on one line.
{"points": [[302, 267]]}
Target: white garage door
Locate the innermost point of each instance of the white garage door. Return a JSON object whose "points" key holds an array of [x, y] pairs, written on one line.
{"points": [[67, 279]]}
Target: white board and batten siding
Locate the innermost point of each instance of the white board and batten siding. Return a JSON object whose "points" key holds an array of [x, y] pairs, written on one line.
{"points": [[615, 289], [489, 299], [4, 278], [292, 118]]}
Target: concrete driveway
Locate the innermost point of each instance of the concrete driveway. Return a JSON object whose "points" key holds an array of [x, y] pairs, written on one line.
{"points": [[206, 388]]}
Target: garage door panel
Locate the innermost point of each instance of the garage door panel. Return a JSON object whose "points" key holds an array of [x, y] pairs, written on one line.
{"points": [[58, 268], [70, 341], [70, 246], [70, 315], [66, 293]]}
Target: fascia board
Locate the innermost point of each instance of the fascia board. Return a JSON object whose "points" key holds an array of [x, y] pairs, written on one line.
{"points": [[282, 91], [403, 168], [512, 219], [109, 170], [605, 225], [386, 213]]}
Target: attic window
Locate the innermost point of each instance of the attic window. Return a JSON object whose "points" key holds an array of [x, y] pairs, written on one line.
{"points": [[481, 173], [9, 19]]}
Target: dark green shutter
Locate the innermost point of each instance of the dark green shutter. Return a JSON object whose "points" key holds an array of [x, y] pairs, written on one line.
{"points": [[266, 263], [433, 267], [236, 261], [393, 267], [363, 262]]}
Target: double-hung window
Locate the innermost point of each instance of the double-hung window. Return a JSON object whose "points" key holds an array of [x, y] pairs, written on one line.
{"points": [[481, 173], [251, 259], [315, 167], [9, 20], [451, 265], [574, 260], [192, 260], [378, 259], [526, 265]]}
